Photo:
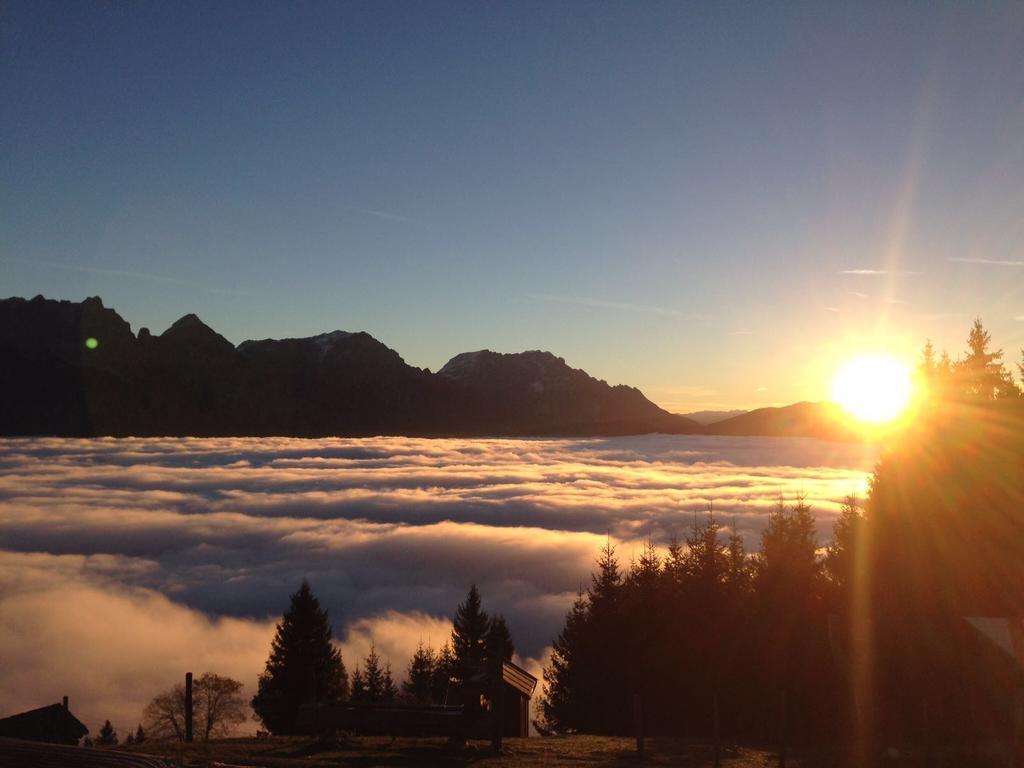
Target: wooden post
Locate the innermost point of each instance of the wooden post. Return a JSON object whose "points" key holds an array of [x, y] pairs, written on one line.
{"points": [[498, 711], [65, 723], [188, 706], [1018, 728], [718, 735], [638, 719], [783, 726], [927, 728]]}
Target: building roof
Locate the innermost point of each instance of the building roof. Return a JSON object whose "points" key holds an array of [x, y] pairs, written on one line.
{"points": [[518, 678], [52, 723], [1004, 633]]}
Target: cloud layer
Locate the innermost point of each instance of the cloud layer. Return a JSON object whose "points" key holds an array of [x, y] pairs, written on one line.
{"points": [[124, 563]]}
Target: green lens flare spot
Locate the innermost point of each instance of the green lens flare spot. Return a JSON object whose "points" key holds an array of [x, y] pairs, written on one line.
{"points": [[91, 343]]}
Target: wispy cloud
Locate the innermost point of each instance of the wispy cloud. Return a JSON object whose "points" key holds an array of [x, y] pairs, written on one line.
{"points": [[585, 301], [128, 273], [885, 299], [992, 262], [740, 332], [389, 215], [879, 272]]}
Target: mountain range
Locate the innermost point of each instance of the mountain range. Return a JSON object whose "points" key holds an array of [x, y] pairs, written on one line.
{"points": [[77, 369], [710, 417]]}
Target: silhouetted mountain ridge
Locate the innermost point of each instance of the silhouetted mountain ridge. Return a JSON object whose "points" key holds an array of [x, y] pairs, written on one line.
{"points": [[805, 419], [190, 380], [710, 417]]}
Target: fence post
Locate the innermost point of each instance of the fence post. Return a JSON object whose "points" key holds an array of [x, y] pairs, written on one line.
{"points": [[783, 727], [927, 732], [498, 711], [1018, 728], [638, 719], [188, 706], [718, 735]]}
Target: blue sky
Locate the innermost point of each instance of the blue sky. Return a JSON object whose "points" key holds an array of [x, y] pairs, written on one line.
{"points": [[665, 194]]}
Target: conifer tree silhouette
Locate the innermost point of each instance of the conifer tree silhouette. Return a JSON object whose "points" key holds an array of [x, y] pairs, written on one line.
{"points": [[419, 683], [303, 667], [469, 631]]}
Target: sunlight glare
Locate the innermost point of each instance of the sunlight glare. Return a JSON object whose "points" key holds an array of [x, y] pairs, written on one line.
{"points": [[873, 388]]}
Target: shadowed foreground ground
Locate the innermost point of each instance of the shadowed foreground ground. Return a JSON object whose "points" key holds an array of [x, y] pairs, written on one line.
{"points": [[576, 751], [370, 752]]}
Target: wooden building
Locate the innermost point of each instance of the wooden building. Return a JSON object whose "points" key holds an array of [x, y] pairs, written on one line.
{"points": [[53, 724], [518, 687]]}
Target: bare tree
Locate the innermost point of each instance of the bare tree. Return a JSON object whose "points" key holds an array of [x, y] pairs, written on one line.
{"points": [[164, 716], [217, 705]]}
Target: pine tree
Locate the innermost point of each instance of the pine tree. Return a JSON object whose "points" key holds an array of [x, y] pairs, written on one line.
{"points": [[358, 685], [373, 684], [130, 739], [140, 735], [444, 672], [469, 629], [303, 665], [981, 372], [565, 698], [373, 675], [107, 735], [608, 629], [788, 599], [788, 544], [419, 683], [605, 584], [674, 571], [390, 690], [498, 645], [934, 373], [737, 571], [839, 557], [927, 365], [644, 574], [706, 559]]}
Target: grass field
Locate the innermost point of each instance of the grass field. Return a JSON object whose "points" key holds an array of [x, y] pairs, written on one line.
{"points": [[369, 752]]}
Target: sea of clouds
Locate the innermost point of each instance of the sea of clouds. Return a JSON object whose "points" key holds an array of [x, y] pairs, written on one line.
{"points": [[126, 562]]}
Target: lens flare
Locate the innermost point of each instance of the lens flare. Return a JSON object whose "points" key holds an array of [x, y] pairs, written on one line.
{"points": [[873, 388], [91, 343]]}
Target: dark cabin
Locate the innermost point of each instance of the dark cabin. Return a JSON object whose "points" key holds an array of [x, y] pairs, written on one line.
{"points": [[517, 686], [53, 724], [991, 676]]}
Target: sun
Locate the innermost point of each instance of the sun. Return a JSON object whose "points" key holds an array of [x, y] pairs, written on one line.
{"points": [[873, 388]]}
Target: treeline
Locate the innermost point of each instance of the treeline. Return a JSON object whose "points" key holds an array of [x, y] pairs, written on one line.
{"points": [[707, 619], [865, 639], [979, 376], [305, 666]]}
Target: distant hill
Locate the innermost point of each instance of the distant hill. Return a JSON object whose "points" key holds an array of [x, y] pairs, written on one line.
{"points": [[710, 417], [821, 420], [76, 368]]}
